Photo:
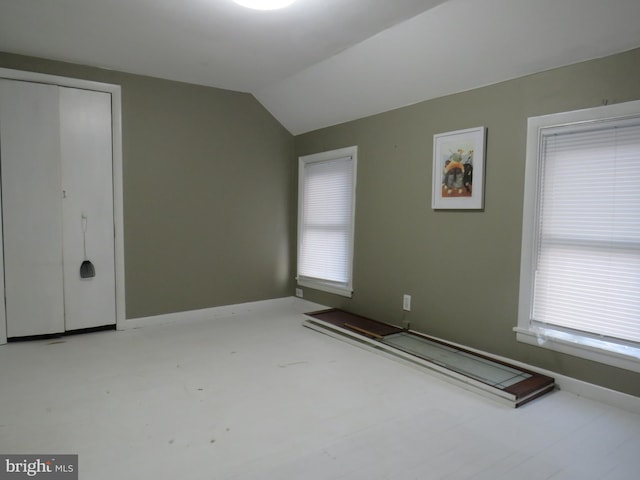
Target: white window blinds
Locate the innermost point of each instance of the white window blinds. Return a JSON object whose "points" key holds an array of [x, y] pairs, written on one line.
{"points": [[326, 211], [587, 256]]}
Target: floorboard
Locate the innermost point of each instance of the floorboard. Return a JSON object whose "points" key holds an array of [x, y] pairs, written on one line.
{"points": [[257, 396]]}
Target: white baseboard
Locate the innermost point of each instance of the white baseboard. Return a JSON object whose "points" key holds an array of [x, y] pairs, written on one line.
{"points": [[623, 401], [212, 313]]}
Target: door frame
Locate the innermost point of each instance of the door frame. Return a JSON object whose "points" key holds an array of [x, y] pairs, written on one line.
{"points": [[118, 208]]}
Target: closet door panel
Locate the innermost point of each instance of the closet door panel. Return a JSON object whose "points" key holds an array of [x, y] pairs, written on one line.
{"points": [[87, 179], [31, 208]]}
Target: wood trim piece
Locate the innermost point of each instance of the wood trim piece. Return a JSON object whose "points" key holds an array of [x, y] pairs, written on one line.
{"points": [[355, 322]]}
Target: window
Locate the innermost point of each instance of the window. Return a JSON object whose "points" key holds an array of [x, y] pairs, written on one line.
{"points": [[326, 206], [580, 270]]}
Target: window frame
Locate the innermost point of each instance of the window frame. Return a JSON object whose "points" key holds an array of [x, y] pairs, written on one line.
{"points": [[588, 346], [343, 289]]}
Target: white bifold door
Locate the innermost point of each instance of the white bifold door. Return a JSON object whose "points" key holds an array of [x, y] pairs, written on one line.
{"points": [[57, 196]]}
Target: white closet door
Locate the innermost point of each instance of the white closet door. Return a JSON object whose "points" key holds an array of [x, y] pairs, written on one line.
{"points": [[31, 208], [87, 181]]}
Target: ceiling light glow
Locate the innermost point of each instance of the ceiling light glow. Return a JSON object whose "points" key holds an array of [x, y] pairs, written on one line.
{"points": [[264, 4]]}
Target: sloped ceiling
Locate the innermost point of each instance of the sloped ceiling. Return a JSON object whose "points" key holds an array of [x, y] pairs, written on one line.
{"points": [[323, 62]]}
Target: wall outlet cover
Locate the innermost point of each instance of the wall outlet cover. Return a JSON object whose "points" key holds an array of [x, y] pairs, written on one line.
{"points": [[406, 303]]}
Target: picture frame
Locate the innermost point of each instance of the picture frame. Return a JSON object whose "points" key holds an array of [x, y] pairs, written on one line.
{"points": [[458, 169]]}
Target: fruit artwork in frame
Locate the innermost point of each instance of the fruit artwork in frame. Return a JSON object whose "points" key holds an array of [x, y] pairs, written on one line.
{"points": [[458, 169]]}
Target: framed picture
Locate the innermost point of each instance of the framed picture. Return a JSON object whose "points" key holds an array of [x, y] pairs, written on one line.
{"points": [[458, 169]]}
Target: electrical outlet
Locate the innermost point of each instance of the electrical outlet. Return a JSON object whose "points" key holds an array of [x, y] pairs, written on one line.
{"points": [[406, 302], [299, 292]]}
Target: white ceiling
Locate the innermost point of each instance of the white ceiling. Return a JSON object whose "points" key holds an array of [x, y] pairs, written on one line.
{"points": [[322, 62]]}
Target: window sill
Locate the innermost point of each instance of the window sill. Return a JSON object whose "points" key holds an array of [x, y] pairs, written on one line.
{"points": [[325, 287], [626, 357]]}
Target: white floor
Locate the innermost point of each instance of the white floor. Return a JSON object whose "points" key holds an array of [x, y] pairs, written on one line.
{"points": [[257, 396]]}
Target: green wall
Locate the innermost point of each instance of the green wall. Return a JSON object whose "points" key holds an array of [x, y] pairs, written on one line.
{"points": [[209, 185], [209, 203], [461, 267]]}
